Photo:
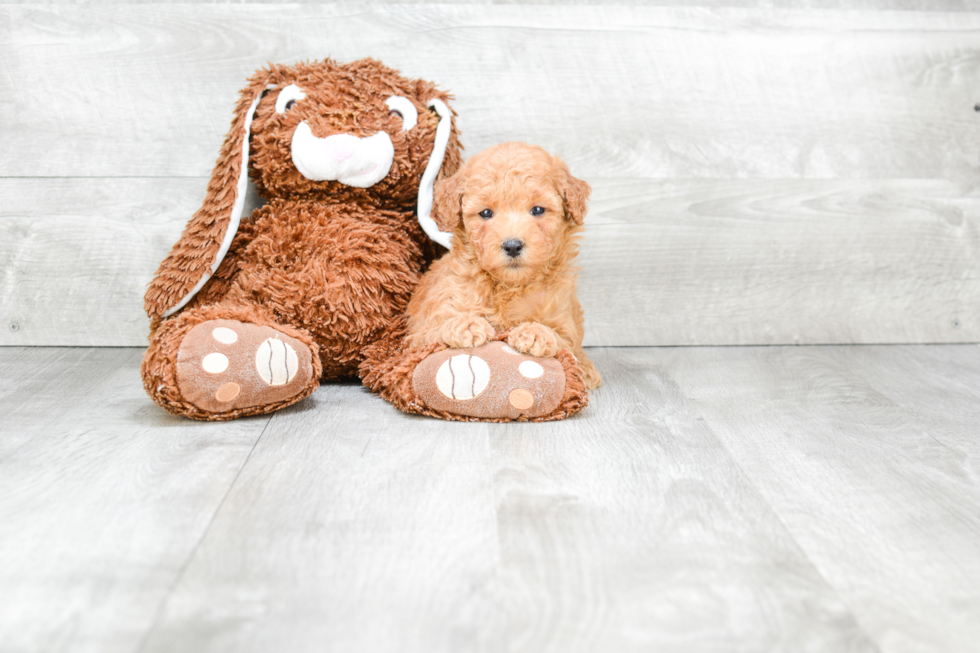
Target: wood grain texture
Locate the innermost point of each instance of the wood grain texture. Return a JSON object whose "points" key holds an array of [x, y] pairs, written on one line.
{"points": [[688, 262], [628, 530], [147, 90], [103, 498], [709, 499], [906, 5], [762, 176], [354, 528], [880, 488], [632, 529], [77, 255], [670, 262]]}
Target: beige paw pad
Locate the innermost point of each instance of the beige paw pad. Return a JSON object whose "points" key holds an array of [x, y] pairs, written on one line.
{"points": [[520, 399], [224, 335], [215, 363], [228, 392], [227, 365], [463, 377], [276, 362], [490, 381], [530, 369]]}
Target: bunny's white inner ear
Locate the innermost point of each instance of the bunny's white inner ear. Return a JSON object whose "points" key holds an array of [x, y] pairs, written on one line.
{"points": [[236, 211], [424, 210]]}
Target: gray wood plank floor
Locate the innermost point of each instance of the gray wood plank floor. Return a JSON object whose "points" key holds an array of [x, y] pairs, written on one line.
{"points": [[710, 499]]}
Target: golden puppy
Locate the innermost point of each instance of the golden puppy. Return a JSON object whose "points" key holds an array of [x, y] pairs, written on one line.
{"points": [[516, 215]]}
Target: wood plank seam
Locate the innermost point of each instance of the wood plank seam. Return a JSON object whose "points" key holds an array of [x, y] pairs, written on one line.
{"points": [[197, 545]]}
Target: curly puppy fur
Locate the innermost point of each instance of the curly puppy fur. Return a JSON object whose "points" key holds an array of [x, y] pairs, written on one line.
{"points": [[329, 264], [516, 216]]}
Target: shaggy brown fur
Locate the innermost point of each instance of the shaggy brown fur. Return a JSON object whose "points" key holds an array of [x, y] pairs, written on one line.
{"points": [[478, 292], [326, 263], [480, 288]]}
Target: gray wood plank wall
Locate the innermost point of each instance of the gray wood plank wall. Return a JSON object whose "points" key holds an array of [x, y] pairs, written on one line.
{"points": [[899, 5], [762, 175]]}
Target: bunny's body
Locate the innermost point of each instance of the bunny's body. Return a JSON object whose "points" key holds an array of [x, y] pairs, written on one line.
{"points": [[247, 318]]}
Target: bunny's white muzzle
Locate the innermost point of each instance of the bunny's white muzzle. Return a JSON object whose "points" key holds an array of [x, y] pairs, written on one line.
{"points": [[359, 162]]}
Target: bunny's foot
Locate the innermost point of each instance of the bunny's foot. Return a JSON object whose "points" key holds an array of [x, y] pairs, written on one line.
{"points": [[492, 381], [231, 366]]}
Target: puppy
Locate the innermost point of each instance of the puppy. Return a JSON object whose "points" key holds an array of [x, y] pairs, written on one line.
{"points": [[516, 216]]}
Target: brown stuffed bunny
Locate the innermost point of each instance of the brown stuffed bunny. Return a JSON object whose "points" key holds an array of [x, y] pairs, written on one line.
{"points": [[248, 315]]}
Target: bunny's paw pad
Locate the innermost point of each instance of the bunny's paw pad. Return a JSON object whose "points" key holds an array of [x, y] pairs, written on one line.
{"points": [[227, 365], [489, 381]]}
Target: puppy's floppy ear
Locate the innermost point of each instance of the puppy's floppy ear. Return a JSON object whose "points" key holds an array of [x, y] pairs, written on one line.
{"points": [[574, 191], [448, 208], [209, 233]]}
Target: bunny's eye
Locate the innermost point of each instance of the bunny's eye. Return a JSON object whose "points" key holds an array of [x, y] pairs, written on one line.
{"points": [[486, 214], [288, 97], [404, 109]]}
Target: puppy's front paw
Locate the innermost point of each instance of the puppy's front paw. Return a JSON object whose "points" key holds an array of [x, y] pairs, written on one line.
{"points": [[535, 339], [467, 331]]}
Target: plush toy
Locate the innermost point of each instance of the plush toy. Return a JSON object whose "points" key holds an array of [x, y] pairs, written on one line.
{"points": [[247, 316]]}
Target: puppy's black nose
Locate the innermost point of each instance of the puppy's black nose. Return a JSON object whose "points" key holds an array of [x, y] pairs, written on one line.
{"points": [[513, 247]]}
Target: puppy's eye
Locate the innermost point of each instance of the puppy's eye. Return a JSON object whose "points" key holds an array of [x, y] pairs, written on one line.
{"points": [[290, 104], [537, 210], [396, 113], [486, 214]]}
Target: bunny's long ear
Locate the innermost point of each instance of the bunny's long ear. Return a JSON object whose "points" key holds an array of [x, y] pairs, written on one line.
{"points": [[209, 233], [444, 133]]}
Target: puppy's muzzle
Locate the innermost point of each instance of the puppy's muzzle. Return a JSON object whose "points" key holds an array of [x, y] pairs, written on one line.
{"points": [[513, 247]]}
